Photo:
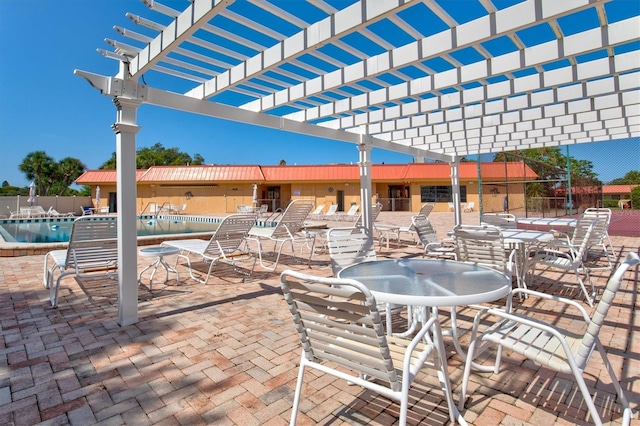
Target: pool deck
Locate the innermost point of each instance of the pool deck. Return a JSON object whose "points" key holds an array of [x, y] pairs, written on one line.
{"points": [[226, 353]]}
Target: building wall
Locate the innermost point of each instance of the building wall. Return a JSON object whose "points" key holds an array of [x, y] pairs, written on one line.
{"points": [[224, 198]]}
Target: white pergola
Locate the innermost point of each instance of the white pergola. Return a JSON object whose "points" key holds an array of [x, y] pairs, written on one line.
{"points": [[437, 79]]}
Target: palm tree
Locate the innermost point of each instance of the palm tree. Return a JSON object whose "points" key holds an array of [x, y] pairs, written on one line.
{"points": [[39, 167], [68, 170]]}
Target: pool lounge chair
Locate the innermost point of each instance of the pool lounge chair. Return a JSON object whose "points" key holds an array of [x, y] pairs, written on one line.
{"points": [[351, 215], [289, 230], [331, 213], [55, 213], [92, 250], [228, 244]]}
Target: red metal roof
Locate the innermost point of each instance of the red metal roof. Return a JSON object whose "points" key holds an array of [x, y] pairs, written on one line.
{"points": [[214, 173], [310, 173], [103, 176], [306, 173], [469, 170], [617, 189]]}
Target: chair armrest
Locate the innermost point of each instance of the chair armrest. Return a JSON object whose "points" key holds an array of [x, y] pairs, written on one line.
{"points": [[558, 299], [524, 320]]}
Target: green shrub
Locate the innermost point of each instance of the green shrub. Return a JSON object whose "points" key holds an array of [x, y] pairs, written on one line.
{"points": [[635, 198], [610, 204]]}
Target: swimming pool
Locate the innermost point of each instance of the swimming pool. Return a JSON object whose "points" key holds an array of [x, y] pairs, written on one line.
{"points": [[58, 230]]}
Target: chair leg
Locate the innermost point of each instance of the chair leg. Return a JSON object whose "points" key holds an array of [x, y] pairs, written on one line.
{"points": [[626, 409], [298, 392], [590, 298]]}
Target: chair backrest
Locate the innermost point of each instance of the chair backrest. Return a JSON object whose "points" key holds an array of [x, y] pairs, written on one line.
{"points": [[375, 212], [501, 220], [333, 208], [353, 210], [483, 245], [426, 209], [230, 235], [292, 219], [602, 308], [350, 245], [601, 229], [93, 242], [424, 229], [580, 239], [337, 320], [317, 211]]}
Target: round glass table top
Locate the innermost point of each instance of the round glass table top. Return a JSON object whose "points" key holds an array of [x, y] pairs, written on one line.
{"points": [[158, 251], [429, 282]]}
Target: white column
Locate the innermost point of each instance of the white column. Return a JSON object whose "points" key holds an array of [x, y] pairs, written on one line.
{"points": [[125, 129], [364, 163], [455, 190]]}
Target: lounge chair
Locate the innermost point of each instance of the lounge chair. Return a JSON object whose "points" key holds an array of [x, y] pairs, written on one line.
{"points": [[55, 213], [288, 230], [427, 236], [351, 215], [501, 220], [331, 213], [38, 211], [228, 244], [93, 249], [317, 213], [426, 209]]}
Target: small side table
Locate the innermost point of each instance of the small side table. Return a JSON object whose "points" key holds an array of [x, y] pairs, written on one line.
{"points": [[159, 253]]}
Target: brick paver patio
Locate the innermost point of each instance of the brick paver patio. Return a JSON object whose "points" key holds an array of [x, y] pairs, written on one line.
{"points": [[225, 353]]}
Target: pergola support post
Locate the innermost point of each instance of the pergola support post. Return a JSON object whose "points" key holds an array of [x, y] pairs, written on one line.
{"points": [[364, 164], [125, 129], [455, 190]]}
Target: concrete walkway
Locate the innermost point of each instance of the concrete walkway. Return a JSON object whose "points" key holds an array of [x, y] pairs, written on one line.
{"points": [[225, 353]]}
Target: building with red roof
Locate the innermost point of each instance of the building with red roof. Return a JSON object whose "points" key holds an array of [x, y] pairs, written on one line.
{"points": [[221, 188]]}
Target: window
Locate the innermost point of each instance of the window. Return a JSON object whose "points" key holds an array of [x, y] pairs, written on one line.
{"points": [[440, 194]]}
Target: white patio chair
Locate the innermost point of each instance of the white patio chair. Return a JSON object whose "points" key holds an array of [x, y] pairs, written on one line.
{"points": [[426, 209], [341, 332], [228, 244], [600, 234], [469, 206], [289, 229], [93, 249], [427, 236], [572, 259], [483, 245], [501, 220], [55, 213], [331, 212], [563, 350], [317, 213], [350, 216]]}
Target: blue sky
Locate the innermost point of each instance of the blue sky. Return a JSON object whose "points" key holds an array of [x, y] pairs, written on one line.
{"points": [[44, 107]]}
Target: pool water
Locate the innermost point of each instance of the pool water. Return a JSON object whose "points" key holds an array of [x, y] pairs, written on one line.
{"points": [[59, 231]]}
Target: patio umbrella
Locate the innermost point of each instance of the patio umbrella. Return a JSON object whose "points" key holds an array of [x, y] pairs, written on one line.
{"points": [[98, 198], [32, 193], [255, 195]]}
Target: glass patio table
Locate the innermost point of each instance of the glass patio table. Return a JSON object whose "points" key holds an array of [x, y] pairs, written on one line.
{"points": [[431, 283]]}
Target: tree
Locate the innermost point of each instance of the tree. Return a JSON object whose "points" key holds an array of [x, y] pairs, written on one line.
{"points": [[630, 178], [40, 168], [283, 162], [68, 171], [157, 155], [51, 178]]}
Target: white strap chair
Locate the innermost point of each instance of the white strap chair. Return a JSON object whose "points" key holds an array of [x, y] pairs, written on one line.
{"points": [[550, 345]]}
